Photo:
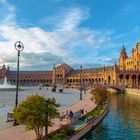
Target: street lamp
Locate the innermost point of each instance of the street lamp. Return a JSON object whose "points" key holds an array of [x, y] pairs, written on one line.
{"points": [[19, 47], [46, 127], [81, 83], [97, 77], [123, 77]]}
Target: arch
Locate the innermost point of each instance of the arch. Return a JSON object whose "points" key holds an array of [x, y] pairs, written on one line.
{"points": [[73, 80], [99, 80], [93, 80], [121, 79], [127, 80], [70, 80], [96, 81], [102, 79], [134, 81], [67, 80], [138, 81], [109, 79]]}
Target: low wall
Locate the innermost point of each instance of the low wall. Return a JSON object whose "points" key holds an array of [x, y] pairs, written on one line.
{"points": [[78, 134], [132, 91]]}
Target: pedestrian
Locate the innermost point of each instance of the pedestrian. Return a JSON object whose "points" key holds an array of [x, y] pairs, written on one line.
{"points": [[82, 111], [71, 114]]}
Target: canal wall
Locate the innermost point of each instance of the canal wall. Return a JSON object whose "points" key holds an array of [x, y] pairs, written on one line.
{"points": [[80, 133], [132, 91]]}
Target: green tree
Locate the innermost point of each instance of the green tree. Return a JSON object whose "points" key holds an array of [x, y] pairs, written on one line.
{"points": [[99, 94], [35, 113]]}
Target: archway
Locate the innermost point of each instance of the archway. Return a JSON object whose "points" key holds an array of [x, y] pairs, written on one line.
{"points": [[99, 80], [139, 81], [127, 80], [70, 80], [134, 81], [121, 80], [109, 80]]}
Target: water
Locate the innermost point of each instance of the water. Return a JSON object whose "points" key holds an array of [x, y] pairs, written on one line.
{"points": [[7, 100], [122, 122]]}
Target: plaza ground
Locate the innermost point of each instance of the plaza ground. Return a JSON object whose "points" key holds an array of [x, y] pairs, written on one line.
{"points": [[19, 132]]}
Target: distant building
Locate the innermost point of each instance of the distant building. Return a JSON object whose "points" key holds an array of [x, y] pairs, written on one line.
{"points": [[130, 63], [127, 73]]}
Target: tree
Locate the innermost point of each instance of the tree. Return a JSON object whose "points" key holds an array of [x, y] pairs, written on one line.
{"points": [[99, 94], [36, 112]]}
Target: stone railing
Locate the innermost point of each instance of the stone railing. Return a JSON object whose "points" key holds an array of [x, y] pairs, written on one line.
{"points": [[80, 133]]}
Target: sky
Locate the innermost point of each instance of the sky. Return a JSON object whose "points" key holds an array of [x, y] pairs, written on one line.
{"points": [[90, 33]]}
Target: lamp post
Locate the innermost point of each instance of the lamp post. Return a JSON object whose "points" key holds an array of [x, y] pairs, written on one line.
{"points": [[81, 83], [123, 77], [47, 117], [19, 47], [97, 77], [91, 78]]}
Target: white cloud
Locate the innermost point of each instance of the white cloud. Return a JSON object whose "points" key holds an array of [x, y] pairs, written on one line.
{"points": [[47, 47], [9, 10], [72, 18]]}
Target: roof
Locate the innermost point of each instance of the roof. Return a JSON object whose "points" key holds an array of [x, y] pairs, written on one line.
{"points": [[90, 70], [64, 66], [29, 72]]}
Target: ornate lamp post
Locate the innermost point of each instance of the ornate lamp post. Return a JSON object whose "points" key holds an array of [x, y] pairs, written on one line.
{"points": [[19, 47], [97, 77], [46, 127], [91, 78], [123, 77], [81, 83]]}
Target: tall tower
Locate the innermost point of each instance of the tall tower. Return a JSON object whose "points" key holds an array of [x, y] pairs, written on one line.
{"points": [[138, 56], [122, 59], [54, 74], [3, 71]]}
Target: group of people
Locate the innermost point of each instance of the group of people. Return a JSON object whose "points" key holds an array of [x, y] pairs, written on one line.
{"points": [[70, 114]]}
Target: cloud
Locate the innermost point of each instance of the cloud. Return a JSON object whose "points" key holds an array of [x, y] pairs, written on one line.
{"points": [[9, 10], [42, 47], [72, 19]]}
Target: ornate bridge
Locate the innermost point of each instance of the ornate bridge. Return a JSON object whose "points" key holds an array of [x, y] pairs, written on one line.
{"points": [[117, 87]]}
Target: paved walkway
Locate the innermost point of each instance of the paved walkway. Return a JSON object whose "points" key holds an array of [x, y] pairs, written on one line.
{"points": [[19, 132]]}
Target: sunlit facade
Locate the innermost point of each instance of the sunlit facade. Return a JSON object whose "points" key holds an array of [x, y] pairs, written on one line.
{"points": [[126, 73]]}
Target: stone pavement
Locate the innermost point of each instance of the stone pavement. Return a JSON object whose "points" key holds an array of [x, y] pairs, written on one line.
{"points": [[19, 132]]}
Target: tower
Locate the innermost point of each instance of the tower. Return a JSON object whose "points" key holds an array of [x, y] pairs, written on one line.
{"points": [[122, 59], [138, 56], [3, 71], [54, 74]]}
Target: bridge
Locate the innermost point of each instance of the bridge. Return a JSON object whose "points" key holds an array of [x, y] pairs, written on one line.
{"points": [[117, 87]]}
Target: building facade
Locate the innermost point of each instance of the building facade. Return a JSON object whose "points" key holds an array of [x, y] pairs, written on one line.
{"points": [[126, 73]]}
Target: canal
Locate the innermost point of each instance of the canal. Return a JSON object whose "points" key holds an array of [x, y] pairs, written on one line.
{"points": [[122, 121]]}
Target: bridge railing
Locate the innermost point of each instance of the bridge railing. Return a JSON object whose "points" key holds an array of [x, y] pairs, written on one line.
{"points": [[114, 86]]}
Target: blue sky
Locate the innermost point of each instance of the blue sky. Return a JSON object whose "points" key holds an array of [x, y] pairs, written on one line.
{"points": [[77, 32]]}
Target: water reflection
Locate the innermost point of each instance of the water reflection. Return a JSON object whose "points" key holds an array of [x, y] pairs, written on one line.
{"points": [[122, 121]]}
